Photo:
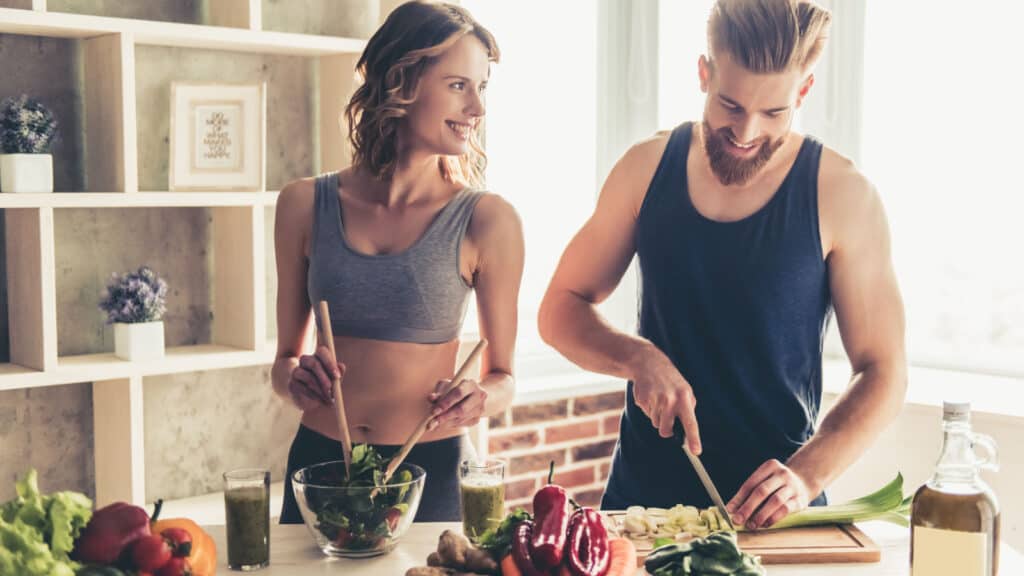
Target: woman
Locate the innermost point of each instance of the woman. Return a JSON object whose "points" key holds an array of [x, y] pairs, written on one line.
{"points": [[395, 244]]}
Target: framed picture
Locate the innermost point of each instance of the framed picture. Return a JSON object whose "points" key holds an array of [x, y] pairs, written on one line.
{"points": [[218, 137]]}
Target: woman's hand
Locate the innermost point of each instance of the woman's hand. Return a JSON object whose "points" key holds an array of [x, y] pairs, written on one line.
{"points": [[311, 383], [462, 406]]}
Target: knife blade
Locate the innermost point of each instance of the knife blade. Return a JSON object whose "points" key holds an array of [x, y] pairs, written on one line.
{"points": [[702, 474], [709, 486]]}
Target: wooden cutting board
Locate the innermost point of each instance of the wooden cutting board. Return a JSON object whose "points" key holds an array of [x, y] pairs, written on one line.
{"points": [[811, 545]]}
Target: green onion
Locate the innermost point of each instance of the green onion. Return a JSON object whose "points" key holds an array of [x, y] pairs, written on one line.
{"points": [[886, 504]]}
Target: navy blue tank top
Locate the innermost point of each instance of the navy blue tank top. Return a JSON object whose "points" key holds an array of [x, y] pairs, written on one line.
{"points": [[741, 309]]}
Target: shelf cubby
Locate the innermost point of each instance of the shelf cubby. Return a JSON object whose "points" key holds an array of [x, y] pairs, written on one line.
{"points": [[105, 68]]}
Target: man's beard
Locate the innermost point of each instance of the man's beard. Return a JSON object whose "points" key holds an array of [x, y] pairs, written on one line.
{"points": [[728, 168]]}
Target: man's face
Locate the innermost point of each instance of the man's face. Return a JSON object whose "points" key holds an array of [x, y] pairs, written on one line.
{"points": [[747, 116]]}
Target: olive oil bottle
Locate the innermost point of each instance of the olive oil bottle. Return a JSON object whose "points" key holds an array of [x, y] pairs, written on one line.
{"points": [[955, 516]]}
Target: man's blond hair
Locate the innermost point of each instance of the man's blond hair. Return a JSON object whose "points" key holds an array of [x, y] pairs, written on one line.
{"points": [[769, 36]]}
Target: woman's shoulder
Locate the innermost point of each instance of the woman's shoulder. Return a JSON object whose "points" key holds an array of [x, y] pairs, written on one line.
{"points": [[494, 217], [295, 201]]}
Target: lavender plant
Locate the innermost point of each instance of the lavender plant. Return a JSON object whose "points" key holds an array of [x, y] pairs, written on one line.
{"points": [[26, 126], [135, 297]]}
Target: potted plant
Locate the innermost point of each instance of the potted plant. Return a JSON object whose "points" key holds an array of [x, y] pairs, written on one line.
{"points": [[27, 131], [135, 305]]}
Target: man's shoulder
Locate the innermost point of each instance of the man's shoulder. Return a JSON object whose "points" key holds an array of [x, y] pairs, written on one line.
{"points": [[848, 201], [841, 182], [649, 149]]}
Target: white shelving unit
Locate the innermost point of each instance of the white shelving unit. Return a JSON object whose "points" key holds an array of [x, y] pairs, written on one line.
{"points": [[239, 333]]}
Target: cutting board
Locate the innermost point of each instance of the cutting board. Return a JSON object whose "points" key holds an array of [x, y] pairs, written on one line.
{"points": [[810, 545]]}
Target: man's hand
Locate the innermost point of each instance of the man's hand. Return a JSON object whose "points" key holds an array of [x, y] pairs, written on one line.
{"points": [[772, 492], [664, 395]]}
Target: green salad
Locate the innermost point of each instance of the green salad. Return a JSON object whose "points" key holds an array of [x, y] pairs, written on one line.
{"points": [[360, 519], [37, 532]]}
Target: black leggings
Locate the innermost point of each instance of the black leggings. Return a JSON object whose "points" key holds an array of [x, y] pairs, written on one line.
{"points": [[441, 458]]}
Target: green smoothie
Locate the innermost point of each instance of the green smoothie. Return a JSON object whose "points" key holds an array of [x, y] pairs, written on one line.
{"points": [[483, 504], [247, 514]]}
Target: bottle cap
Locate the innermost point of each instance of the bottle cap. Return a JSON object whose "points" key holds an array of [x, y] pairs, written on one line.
{"points": [[956, 411]]}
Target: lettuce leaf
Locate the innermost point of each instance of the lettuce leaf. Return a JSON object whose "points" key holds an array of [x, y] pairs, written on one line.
{"points": [[38, 532]]}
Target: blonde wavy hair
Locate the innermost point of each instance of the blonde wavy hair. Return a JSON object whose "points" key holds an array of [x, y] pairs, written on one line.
{"points": [[769, 36], [411, 39]]}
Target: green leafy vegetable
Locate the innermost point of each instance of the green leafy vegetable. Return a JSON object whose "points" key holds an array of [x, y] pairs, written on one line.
{"points": [[37, 532], [718, 554], [885, 504], [498, 541], [363, 519]]}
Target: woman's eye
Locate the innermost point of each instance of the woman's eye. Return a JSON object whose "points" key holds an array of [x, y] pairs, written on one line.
{"points": [[458, 85]]}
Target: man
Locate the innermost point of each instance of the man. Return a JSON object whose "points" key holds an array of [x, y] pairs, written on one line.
{"points": [[747, 236]]}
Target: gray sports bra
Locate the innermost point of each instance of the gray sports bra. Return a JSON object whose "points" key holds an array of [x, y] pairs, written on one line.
{"points": [[417, 295]]}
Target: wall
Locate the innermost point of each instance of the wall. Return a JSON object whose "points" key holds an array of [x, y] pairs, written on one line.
{"points": [[578, 434]]}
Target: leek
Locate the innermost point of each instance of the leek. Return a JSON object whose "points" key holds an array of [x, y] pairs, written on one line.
{"points": [[886, 504]]}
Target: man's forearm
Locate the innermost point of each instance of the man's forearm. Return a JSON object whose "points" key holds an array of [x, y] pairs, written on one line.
{"points": [[871, 402], [574, 327]]}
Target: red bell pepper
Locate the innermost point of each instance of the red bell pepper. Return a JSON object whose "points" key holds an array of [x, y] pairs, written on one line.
{"points": [[551, 517], [521, 549], [110, 531], [588, 553]]}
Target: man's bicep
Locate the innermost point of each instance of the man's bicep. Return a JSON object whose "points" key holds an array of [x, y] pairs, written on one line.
{"points": [[865, 292], [596, 259]]}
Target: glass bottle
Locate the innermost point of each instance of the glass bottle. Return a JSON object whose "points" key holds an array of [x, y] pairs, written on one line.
{"points": [[955, 516]]}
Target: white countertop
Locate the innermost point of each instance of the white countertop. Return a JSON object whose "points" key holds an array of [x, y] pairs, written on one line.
{"points": [[293, 553]]}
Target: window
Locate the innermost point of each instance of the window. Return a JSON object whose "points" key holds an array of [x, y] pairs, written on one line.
{"points": [[682, 38], [942, 133], [541, 133], [934, 125]]}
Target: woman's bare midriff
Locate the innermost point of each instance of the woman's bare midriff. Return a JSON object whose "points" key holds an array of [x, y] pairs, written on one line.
{"points": [[386, 389]]}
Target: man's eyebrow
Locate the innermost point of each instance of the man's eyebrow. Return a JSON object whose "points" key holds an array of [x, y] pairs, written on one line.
{"points": [[732, 102]]}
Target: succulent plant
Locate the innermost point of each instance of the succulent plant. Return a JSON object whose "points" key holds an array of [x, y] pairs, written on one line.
{"points": [[135, 297], [26, 126]]}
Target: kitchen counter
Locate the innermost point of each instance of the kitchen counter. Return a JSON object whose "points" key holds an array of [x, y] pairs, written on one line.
{"points": [[293, 553]]}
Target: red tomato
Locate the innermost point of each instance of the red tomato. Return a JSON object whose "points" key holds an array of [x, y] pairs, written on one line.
{"points": [[150, 552]]}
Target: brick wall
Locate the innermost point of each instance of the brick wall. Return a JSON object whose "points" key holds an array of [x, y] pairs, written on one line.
{"points": [[578, 434]]}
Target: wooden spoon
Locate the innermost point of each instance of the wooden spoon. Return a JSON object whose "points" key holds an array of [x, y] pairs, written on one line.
{"points": [[339, 403], [422, 428]]}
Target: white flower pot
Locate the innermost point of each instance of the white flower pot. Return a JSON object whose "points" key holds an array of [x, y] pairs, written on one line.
{"points": [[139, 341], [29, 173]]}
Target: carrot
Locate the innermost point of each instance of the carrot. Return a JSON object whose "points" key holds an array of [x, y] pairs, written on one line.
{"points": [[622, 559], [508, 566], [563, 570]]}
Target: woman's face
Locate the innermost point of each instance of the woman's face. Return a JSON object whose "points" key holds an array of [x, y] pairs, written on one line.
{"points": [[450, 102]]}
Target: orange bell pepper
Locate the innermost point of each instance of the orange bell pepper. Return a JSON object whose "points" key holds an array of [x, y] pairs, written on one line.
{"points": [[203, 558]]}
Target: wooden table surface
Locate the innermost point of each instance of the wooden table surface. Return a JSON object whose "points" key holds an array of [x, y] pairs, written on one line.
{"points": [[293, 553]]}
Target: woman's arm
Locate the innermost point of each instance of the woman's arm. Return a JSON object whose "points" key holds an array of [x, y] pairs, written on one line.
{"points": [[496, 234], [311, 386]]}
